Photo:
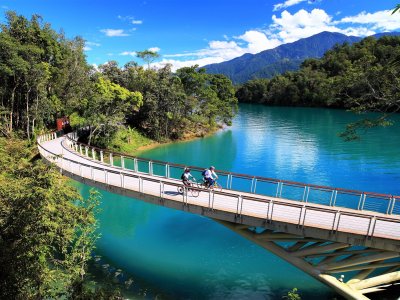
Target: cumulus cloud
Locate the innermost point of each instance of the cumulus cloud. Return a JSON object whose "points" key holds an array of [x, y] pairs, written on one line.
{"points": [[285, 28], [258, 41], [251, 41], [380, 20], [137, 22], [114, 32], [290, 28]]}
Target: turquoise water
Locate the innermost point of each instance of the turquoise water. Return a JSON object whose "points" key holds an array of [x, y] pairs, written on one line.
{"points": [[168, 254]]}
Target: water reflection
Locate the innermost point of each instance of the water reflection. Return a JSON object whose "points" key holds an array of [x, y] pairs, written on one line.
{"points": [[177, 255]]}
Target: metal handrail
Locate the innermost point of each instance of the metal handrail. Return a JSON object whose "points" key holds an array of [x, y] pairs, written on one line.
{"points": [[238, 197], [280, 183]]}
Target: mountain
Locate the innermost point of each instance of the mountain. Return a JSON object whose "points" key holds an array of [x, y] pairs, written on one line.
{"points": [[287, 57]]}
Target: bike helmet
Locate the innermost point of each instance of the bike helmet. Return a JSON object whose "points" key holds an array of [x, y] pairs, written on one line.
{"points": [[187, 170], [212, 168]]}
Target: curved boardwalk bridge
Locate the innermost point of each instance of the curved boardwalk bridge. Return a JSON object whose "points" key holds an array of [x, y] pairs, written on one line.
{"points": [[349, 240]]}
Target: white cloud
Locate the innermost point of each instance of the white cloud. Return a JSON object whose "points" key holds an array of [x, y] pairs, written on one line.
{"points": [[114, 32], [219, 51], [125, 53], [381, 20], [92, 44], [285, 28], [258, 41], [154, 49], [137, 22], [88, 45], [286, 4], [290, 28]]}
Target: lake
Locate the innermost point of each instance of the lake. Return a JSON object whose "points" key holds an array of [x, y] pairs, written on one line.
{"points": [[154, 252]]}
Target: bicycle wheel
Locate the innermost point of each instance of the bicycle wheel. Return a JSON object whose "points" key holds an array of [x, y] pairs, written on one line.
{"points": [[217, 187], [180, 189], [195, 192]]}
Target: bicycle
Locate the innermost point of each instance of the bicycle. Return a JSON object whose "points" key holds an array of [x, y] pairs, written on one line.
{"points": [[215, 186], [194, 192]]}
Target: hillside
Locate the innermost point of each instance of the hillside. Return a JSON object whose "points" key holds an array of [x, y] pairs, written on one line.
{"points": [[287, 57]]}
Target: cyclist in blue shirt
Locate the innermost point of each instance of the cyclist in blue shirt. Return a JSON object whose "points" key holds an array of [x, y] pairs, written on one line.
{"points": [[210, 176]]}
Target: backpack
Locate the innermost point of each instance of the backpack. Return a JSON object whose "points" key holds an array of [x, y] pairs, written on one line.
{"points": [[183, 176], [204, 173]]}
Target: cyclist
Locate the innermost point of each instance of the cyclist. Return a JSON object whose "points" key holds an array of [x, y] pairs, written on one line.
{"points": [[186, 177], [210, 176]]}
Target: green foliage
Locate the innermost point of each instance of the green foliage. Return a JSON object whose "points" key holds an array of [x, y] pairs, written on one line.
{"points": [[128, 140], [47, 231], [148, 56], [360, 77], [107, 108], [43, 75], [292, 295], [396, 9]]}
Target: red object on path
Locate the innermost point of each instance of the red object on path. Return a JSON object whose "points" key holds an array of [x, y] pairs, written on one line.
{"points": [[63, 124]]}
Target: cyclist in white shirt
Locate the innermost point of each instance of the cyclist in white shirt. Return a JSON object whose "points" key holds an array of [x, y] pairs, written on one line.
{"points": [[186, 177], [210, 176]]}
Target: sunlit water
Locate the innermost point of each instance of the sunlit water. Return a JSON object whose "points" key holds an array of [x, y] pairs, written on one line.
{"points": [[155, 252]]}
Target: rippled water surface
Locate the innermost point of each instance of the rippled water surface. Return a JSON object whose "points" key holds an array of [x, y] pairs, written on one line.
{"points": [[155, 252]]}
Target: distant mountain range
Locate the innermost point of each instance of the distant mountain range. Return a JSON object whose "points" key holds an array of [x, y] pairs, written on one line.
{"points": [[287, 57]]}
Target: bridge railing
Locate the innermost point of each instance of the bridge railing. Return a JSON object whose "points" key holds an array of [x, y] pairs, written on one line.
{"points": [[308, 193], [302, 214]]}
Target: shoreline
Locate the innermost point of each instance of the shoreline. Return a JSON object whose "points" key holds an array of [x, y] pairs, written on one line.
{"points": [[187, 138]]}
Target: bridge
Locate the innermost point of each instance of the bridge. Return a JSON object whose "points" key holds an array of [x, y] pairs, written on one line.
{"points": [[346, 239]]}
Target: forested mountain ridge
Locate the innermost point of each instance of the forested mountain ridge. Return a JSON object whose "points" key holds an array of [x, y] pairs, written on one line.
{"points": [[287, 57], [363, 75]]}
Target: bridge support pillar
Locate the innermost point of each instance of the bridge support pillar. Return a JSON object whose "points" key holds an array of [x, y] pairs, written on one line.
{"points": [[321, 259]]}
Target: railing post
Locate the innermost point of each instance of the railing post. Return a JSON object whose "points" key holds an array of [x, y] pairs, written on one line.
{"points": [[122, 162], [101, 156], [93, 154], [167, 171], [255, 185], [334, 196], [150, 167], [161, 189], [87, 151], [122, 180], [111, 159], [135, 165], [393, 205], [360, 202], [80, 149], [305, 193]]}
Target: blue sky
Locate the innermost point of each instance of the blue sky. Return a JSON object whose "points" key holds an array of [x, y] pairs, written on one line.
{"points": [[201, 32]]}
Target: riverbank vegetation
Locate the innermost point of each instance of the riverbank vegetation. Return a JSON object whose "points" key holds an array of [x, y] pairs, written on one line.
{"points": [[363, 77], [47, 231], [44, 76]]}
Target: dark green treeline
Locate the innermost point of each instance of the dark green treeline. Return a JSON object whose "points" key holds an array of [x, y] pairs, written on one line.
{"points": [[363, 76]]}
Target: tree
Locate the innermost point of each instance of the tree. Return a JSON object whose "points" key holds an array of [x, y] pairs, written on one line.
{"points": [[148, 56], [108, 107], [47, 230]]}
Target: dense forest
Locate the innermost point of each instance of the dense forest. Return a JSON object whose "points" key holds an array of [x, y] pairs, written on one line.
{"points": [[363, 75], [47, 231], [45, 75]]}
